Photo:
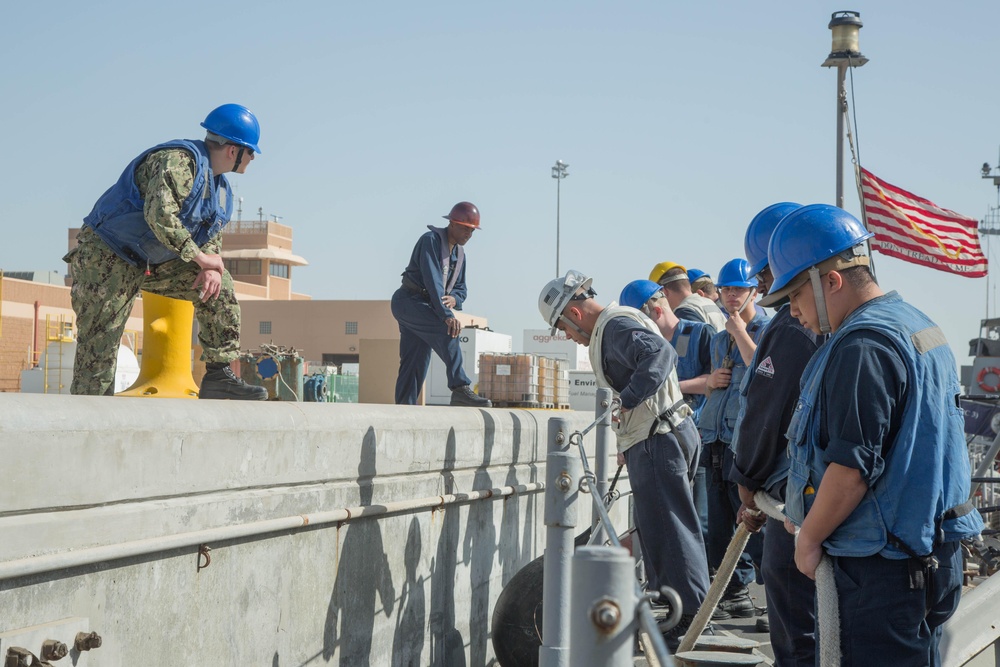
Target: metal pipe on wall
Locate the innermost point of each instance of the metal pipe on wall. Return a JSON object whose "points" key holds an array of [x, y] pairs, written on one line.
{"points": [[50, 562]]}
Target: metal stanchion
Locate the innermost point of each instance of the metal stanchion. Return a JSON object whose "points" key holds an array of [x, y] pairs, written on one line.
{"points": [[985, 465], [602, 450], [562, 480], [602, 621]]}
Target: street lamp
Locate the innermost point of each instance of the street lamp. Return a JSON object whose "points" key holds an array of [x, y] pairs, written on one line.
{"points": [[844, 53], [558, 172]]}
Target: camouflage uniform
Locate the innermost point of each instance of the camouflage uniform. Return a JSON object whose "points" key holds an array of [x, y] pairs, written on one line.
{"points": [[105, 285]]}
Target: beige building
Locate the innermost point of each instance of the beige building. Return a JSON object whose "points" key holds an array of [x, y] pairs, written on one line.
{"points": [[258, 254]]}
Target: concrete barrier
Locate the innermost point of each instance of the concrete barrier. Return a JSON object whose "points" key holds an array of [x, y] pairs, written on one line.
{"points": [[337, 533]]}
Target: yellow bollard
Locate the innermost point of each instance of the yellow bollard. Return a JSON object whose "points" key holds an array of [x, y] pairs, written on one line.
{"points": [[165, 371]]}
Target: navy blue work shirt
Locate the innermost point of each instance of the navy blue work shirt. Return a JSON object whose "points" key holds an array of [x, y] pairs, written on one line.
{"points": [[863, 398], [425, 269], [784, 349], [636, 361]]}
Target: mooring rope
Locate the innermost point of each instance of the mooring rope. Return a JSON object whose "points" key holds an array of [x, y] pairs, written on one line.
{"points": [[828, 611]]}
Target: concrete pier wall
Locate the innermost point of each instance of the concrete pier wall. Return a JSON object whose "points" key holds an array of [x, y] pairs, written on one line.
{"points": [[104, 503]]}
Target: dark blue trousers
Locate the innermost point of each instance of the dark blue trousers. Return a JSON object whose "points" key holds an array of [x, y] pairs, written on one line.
{"points": [[791, 600], [660, 470], [420, 332], [723, 504], [882, 621]]}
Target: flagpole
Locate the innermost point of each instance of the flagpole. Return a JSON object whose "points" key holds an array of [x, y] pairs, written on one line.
{"points": [[844, 53], [841, 112]]}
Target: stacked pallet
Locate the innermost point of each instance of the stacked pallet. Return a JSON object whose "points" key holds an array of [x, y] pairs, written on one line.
{"points": [[524, 381]]}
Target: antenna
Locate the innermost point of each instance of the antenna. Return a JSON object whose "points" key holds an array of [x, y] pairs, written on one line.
{"points": [[990, 224], [239, 210], [988, 172], [260, 213]]}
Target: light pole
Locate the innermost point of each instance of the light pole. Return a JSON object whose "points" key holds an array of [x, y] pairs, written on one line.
{"points": [[845, 27], [558, 172]]}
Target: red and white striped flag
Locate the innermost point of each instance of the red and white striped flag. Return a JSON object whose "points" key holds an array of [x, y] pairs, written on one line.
{"points": [[916, 230]]}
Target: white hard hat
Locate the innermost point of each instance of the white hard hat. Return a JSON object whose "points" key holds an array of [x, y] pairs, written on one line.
{"points": [[557, 294]]}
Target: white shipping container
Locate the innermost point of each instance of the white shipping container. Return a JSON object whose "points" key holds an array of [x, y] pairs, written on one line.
{"points": [[540, 342]]}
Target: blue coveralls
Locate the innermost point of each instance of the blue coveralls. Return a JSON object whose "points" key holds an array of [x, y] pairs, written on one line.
{"points": [[906, 439], [637, 362], [432, 273], [718, 419]]}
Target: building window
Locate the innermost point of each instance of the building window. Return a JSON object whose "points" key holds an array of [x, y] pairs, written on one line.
{"points": [[265, 327], [350, 328], [243, 267], [279, 270]]}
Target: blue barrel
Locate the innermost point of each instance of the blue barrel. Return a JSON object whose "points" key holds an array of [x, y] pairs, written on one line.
{"points": [[315, 389]]}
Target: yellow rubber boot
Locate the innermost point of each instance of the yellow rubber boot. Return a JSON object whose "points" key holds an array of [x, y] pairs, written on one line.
{"points": [[165, 371]]}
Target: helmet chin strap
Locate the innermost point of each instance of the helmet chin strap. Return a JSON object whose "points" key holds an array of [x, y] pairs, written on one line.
{"points": [[746, 301], [817, 285], [239, 159], [570, 323]]}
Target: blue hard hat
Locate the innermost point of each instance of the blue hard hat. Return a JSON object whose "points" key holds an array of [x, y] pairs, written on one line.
{"points": [[736, 273], [637, 293], [235, 123], [808, 236], [695, 274], [759, 233]]}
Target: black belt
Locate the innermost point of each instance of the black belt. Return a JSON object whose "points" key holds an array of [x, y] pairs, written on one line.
{"points": [[922, 567], [665, 416], [414, 288]]}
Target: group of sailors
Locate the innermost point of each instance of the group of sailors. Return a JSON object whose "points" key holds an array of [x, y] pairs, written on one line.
{"points": [[842, 406]]}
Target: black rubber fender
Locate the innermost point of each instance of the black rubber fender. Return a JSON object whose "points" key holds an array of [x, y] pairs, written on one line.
{"points": [[517, 616]]}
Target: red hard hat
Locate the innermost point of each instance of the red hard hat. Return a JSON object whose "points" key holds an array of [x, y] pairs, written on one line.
{"points": [[464, 213]]}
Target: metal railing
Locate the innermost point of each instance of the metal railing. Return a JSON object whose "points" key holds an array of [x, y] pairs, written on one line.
{"points": [[592, 604]]}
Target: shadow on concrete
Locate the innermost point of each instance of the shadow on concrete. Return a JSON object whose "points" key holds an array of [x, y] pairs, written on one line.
{"points": [[522, 550], [408, 641], [479, 550], [362, 573], [447, 642], [509, 552]]}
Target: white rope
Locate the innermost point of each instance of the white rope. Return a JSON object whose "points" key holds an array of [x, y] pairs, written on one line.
{"points": [[828, 611], [647, 648], [716, 590]]}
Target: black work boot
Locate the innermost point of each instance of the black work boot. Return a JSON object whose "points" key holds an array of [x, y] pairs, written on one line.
{"points": [[465, 396], [736, 602], [221, 382]]}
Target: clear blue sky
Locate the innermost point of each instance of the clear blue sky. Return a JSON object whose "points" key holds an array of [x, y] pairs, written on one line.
{"points": [[679, 121]]}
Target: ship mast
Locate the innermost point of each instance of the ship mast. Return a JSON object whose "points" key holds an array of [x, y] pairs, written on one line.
{"points": [[990, 225]]}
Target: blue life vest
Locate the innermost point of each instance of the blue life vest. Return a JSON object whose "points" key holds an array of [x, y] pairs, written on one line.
{"points": [[927, 473], [118, 219], [685, 342], [722, 406]]}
